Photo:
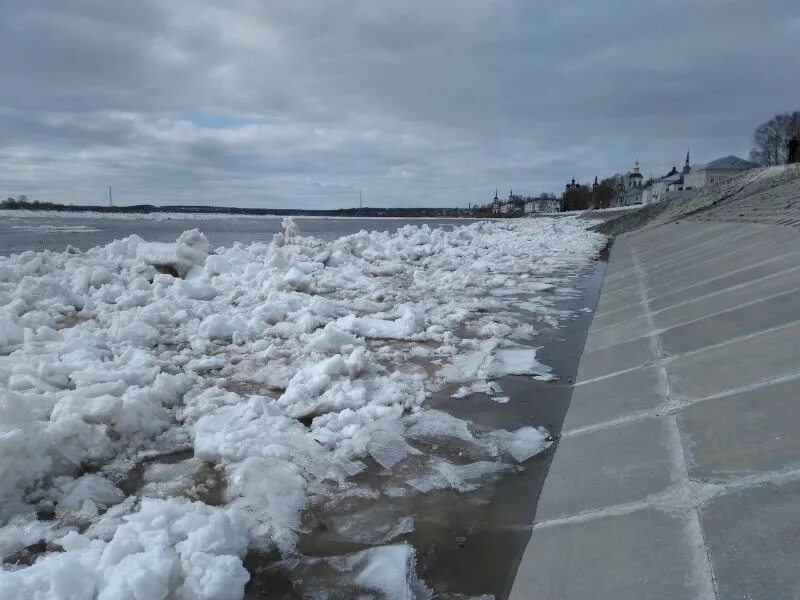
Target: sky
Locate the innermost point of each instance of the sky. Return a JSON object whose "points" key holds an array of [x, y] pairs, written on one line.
{"points": [[302, 104]]}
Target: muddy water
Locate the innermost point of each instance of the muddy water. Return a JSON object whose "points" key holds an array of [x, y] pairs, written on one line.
{"points": [[467, 543]]}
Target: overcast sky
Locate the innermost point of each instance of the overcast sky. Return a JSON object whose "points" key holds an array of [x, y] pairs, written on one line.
{"points": [[430, 103]]}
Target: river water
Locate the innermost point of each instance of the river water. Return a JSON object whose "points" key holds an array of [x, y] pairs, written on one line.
{"points": [[21, 231], [467, 543]]}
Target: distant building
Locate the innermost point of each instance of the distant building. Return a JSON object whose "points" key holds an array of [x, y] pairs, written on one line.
{"points": [[716, 171], [542, 204], [524, 205], [630, 187], [665, 187], [496, 204]]}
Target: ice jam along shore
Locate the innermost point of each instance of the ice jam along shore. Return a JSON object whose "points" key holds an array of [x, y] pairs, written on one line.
{"points": [[166, 408]]}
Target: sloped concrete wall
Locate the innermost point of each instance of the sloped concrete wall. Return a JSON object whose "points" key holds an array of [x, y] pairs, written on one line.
{"points": [[678, 471]]}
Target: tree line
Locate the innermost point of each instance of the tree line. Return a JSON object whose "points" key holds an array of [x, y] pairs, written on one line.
{"points": [[771, 139], [583, 196]]}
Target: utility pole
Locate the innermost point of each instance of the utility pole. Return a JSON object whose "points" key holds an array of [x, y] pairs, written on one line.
{"points": [[110, 201], [360, 201]]}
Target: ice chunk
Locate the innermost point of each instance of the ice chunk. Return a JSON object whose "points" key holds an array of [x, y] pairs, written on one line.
{"points": [[272, 493], [193, 290], [169, 548], [376, 525], [82, 499], [463, 478], [331, 339], [388, 448], [435, 423], [495, 358], [495, 329], [11, 334], [388, 570], [163, 480], [195, 239], [521, 444], [409, 325], [519, 361], [479, 387], [221, 327]]}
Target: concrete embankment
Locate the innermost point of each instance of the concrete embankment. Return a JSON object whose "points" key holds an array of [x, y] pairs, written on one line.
{"points": [[678, 471], [769, 196]]}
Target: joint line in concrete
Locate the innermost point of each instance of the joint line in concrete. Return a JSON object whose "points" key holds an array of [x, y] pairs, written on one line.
{"points": [[703, 574]]}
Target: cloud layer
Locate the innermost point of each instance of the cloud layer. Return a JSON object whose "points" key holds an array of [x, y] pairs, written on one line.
{"points": [[283, 103]]}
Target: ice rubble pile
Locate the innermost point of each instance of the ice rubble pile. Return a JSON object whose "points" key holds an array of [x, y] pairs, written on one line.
{"points": [[278, 363]]}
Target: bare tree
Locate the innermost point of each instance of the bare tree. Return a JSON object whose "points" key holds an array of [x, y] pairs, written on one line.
{"points": [[770, 139], [605, 191], [578, 197]]}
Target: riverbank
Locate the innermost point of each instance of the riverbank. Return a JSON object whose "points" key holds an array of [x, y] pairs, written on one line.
{"points": [[677, 473], [769, 195]]}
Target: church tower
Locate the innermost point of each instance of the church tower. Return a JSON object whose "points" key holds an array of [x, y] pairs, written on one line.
{"points": [[635, 178], [687, 167]]}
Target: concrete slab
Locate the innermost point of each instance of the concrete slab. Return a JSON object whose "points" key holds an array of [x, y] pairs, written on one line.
{"points": [[619, 298], [784, 281], [727, 248], [735, 365], [660, 242], [744, 426], [743, 434], [711, 267], [616, 315], [623, 267], [638, 556], [618, 333], [752, 542], [618, 464], [610, 360], [612, 398], [677, 259], [759, 316], [718, 281]]}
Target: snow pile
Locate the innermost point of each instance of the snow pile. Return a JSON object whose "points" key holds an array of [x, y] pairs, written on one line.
{"points": [[270, 373], [175, 549], [191, 250]]}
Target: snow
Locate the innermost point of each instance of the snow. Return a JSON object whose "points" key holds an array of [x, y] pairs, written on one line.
{"points": [[283, 369], [172, 548]]}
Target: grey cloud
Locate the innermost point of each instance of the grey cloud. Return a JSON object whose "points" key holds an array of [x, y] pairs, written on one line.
{"points": [[431, 103]]}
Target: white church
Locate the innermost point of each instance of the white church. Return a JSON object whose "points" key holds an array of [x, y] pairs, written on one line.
{"points": [[633, 189]]}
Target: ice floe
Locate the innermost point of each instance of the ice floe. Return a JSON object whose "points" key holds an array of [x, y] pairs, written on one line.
{"points": [[283, 369]]}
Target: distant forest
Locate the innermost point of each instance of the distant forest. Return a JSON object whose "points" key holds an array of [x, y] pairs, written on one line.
{"points": [[22, 203]]}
